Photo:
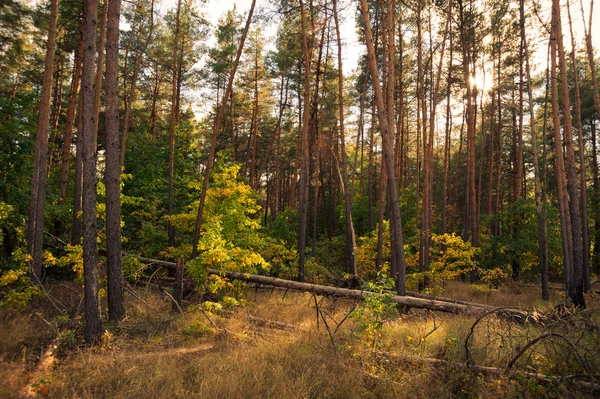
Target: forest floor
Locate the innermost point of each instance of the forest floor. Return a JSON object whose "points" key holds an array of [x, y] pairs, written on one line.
{"points": [[241, 353]]}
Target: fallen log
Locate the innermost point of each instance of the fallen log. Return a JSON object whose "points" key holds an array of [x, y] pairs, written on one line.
{"points": [[515, 315]]}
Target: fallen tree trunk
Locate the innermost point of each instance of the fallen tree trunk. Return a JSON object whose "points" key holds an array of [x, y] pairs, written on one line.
{"points": [[516, 315]]}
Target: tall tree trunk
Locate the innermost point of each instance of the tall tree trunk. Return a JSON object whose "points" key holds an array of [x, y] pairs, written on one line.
{"points": [[216, 130], [371, 169], [35, 227], [57, 100], [592, 65], [426, 218], [155, 94], [116, 309], [388, 157], [471, 222], [305, 158], [447, 140], [88, 145], [541, 223], [575, 290], [78, 184], [172, 125], [100, 67], [254, 128], [70, 118], [350, 234], [582, 168]]}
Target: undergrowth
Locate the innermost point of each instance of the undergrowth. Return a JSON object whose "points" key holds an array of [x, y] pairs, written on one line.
{"points": [[221, 351]]}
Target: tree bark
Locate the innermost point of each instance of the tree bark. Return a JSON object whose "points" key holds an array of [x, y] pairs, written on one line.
{"points": [[173, 123], [592, 65], [575, 289], [116, 309], [541, 223], [90, 251], [70, 118], [35, 227], [388, 155], [350, 234], [585, 237], [305, 157], [100, 67]]}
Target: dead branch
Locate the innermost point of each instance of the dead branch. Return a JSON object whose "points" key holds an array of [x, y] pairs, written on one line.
{"points": [[546, 336], [584, 385]]}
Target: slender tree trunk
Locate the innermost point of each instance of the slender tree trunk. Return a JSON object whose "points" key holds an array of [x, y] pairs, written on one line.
{"points": [[298, 152], [100, 67], [116, 309], [471, 209], [592, 65], [575, 293], [216, 130], [447, 141], [70, 118], [173, 123], [350, 234], [254, 128], [57, 100], [388, 157], [596, 256], [426, 221], [35, 227], [88, 146], [422, 133], [305, 159], [370, 169], [78, 186], [359, 136], [380, 227], [155, 95], [541, 224], [582, 168]]}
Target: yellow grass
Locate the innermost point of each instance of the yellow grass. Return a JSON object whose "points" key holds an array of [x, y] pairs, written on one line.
{"points": [[155, 353]]}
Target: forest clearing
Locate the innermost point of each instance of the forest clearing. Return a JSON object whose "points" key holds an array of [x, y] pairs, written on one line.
{"points": [[299, 198], [269, 343]]}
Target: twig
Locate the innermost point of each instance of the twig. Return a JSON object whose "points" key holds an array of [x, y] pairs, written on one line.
{"points": [[467, 350], [316, 309], [151, 276], [345, 318], [55, 238], [552, 335], [174, 301]]}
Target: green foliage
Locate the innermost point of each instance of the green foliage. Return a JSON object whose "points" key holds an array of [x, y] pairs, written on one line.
{"points": [[231, 233], [73, 259], [366, 253], [16, 287], [375, 311], [518, 246], [451, 257], [285, 227]]}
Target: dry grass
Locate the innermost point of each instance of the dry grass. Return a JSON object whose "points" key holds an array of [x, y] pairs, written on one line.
{"points": [[155, 353]]}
